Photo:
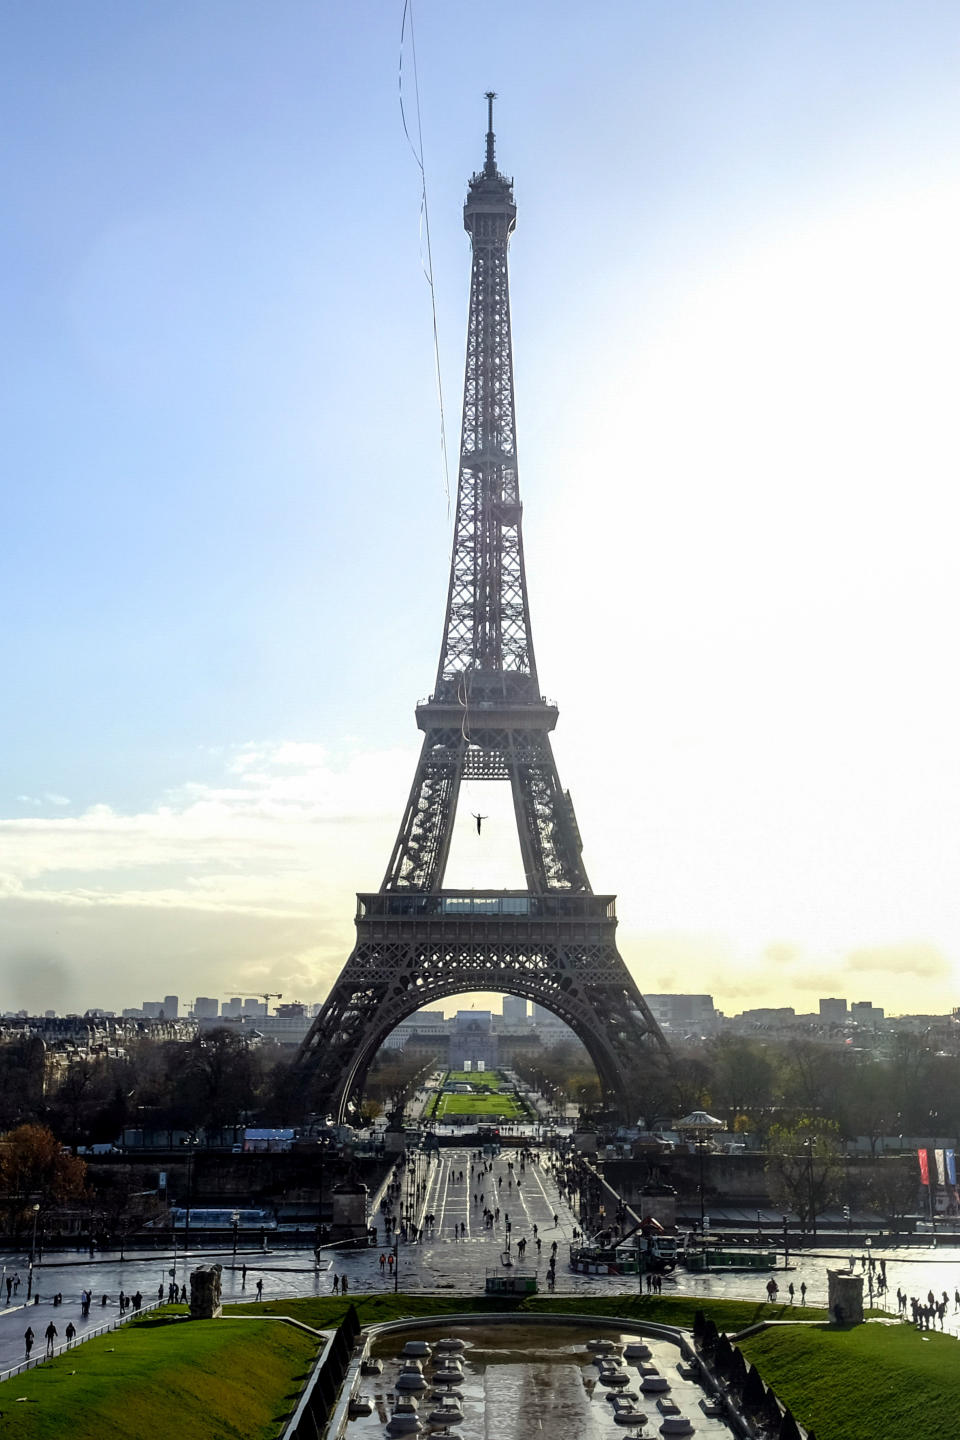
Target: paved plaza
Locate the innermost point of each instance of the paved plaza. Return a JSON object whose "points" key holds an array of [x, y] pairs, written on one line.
{"points": [[446, 1259]]}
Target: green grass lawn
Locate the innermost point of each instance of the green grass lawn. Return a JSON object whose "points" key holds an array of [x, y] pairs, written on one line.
{"points": [[501, 1106], [874, 1382], [165, 1378]]}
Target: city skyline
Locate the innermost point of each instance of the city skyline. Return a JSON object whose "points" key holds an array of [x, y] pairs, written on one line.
{"points": [[734, 292]]}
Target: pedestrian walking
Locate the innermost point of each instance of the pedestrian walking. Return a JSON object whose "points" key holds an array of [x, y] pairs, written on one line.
{"points": [[336, 1282], [344, 1285], [803, 1292], [28, 1340], [259, 1289], [50, 1333], [70, 1333], [790, 1291]]}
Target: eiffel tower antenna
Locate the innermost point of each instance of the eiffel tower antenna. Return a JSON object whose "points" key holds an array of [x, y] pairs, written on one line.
{"points": [[555, 941]]}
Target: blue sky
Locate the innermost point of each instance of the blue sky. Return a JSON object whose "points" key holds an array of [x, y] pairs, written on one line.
{"points": [[734, 303]]}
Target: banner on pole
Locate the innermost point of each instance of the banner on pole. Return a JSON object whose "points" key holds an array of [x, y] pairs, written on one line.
{"points": [[924, 1167], [951, 1166], [941, 1167]]}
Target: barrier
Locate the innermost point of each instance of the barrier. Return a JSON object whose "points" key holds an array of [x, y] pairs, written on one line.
{"points": [[80, 1339]]}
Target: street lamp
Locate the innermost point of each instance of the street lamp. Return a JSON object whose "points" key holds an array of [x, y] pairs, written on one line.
{"points": [[701, 1146], [786, 1245], [235, 1217], [193, 1140], [808, 1146], [33, 1251]]}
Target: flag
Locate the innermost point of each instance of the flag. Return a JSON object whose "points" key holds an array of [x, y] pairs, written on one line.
{"points": [[952, 1166], [941, 1168], [924, 1167]]}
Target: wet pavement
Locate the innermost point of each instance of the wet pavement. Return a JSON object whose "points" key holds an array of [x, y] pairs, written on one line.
{"points": [[441, 1262], [520, 1380]]}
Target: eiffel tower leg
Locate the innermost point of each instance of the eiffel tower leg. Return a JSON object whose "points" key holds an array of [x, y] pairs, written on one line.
{"points": [[419, 855]]}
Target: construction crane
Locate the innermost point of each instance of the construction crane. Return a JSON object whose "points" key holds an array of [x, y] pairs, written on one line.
{"points": [[265, 995]]}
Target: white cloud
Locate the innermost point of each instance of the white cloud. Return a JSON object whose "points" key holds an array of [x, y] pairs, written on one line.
{"points": [[276, 853]]}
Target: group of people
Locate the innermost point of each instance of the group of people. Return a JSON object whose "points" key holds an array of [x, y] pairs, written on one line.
{"points": [[51, 1335], [13, 1285], [924, 1314]]}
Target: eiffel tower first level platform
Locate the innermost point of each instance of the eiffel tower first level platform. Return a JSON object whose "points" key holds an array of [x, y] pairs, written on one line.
{"points": [[555, 941]]}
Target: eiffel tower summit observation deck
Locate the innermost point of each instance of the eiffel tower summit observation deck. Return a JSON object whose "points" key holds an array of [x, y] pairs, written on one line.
{"points": [[553, 942]]}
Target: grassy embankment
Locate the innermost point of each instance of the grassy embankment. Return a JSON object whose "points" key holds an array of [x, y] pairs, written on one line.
{"points": [[874, 1380], [164, 1379]]}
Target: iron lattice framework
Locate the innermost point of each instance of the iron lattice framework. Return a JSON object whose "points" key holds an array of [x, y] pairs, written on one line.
{"points": [[555, 941]]}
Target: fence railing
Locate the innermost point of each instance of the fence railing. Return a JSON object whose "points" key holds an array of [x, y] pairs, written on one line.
{"points": [[79, 1339], [319, 1397]]}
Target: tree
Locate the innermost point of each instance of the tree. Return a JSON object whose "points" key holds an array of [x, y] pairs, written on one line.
{"points": [[34, 1167], [894, 1187], [124, 1205], [219, 1079], [743, 1076], [804, 1169]]}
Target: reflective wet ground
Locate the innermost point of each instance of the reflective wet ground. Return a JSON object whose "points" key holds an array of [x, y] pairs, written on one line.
{"points": [[524, 1380]]}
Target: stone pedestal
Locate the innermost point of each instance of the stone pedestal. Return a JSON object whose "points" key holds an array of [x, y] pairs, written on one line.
{"points": [[586, 1142], [349, 1211], [205, 1303], [845, 1297]]}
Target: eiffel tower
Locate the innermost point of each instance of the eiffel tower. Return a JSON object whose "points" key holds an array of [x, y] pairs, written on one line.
{"points": [[555, 941]]}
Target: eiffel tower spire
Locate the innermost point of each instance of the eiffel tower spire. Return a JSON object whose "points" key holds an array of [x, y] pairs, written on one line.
{"points": [[555, 941], [486, 718]]}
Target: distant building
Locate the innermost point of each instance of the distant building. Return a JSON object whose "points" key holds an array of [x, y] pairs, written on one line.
{"points": [[206, 1008], [472, 1037], [171, 1007], [687, 1012], [152, 1009], [514, 1010], [769, 1015], [425, 1025], [233, 1007], [834, 1012], [864, 1012], [253, 1007]]}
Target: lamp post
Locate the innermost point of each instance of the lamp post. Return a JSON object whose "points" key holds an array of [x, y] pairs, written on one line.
{"points": [[33, 1251], [808, 1146], [193, 1140], [235, 1217], [786, 1245]]}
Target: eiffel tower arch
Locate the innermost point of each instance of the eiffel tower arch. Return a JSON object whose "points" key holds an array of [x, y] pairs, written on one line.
{"points": [[553, 942]]}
